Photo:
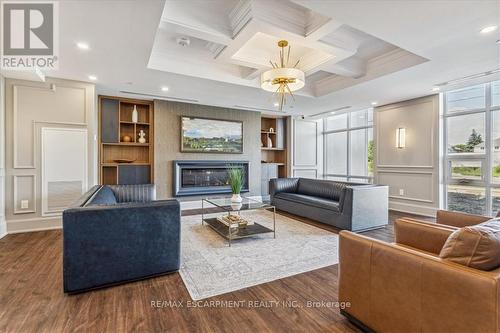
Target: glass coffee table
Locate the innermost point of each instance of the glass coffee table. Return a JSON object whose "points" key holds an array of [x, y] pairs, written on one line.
{"points": [[233, 230]]}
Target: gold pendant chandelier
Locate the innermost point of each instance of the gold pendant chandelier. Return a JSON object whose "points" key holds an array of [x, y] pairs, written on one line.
{"points": [[283, 79]]}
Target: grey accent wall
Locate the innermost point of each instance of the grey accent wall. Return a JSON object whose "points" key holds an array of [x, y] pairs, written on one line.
{"points": [[30, 107], [3, 223], [168, 141], [412, 173]]}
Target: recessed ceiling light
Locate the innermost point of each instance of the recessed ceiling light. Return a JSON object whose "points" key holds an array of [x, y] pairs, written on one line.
{"points": [[82, 45], [374, 103], [488, 29], [164, 88], [333, 112], [435, 88], [276, 104], [92, 77]]}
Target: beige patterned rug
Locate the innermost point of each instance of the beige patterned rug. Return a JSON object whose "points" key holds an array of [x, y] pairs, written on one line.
{"points": [[210, 267]]}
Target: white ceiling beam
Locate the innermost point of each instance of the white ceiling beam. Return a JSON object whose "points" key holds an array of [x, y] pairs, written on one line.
{"points": [[210, 36], [351, 67]]}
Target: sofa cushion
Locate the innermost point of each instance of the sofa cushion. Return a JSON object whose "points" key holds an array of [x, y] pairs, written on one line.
{"points": [[475, 246], [321, 188], [134, 193], [310, 200], [103, 197]]}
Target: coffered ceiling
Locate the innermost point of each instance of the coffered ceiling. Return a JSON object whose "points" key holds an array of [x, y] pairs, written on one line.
{"points": [[233, 41], [353, 52]]}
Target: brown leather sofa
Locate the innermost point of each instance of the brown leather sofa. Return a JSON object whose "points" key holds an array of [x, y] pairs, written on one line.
{"points": [[406, 287]]}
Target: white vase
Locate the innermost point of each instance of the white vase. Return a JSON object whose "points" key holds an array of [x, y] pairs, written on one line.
{"points": [[236, 205], [269, 143], [135, 115], [236, 198], [142, 137]]}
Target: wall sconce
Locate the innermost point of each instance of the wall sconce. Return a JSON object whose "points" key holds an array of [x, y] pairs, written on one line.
{"points": [[401, 137]]}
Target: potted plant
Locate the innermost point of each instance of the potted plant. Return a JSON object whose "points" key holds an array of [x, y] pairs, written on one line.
{"points": [[235, 178]]}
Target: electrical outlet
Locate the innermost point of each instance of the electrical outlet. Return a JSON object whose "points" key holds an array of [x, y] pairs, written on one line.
{"points": [[401, 191], [25, 204]]}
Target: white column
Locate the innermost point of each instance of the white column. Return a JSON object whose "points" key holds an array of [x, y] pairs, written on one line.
{"points": [[3, 223]]}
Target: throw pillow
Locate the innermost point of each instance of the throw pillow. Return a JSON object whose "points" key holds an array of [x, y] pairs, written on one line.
{"points": [[475, 246]]}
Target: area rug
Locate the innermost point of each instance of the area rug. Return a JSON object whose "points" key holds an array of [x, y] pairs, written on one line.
{"points": [[210, 267]]}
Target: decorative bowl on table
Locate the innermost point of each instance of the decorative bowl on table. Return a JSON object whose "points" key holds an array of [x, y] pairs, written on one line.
{"points": [[123, 160]]}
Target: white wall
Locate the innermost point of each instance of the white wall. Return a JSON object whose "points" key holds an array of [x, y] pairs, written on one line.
{"points": [[412, 173], [3, 224], [30, 108], [307, 148]]}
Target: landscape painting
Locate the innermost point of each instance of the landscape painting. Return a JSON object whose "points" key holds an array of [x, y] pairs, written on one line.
{"points": [[211, 136]]}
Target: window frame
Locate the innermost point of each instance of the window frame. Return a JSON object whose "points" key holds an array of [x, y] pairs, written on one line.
{"points": [[486, 158], [348, 176]]}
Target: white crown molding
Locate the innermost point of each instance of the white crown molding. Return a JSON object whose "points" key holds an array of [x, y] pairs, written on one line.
{"points": [[240, 16]]}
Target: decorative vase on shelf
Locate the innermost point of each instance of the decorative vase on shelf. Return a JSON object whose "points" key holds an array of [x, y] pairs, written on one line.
{"points": [[142, 137], [135, 115], [271, 130], [269, 143], [236, 198]]}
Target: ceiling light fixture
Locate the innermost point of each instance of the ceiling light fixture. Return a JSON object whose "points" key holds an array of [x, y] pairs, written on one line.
{"points": [[374, 103], [283, 79], [488, 29], [276, 104], [435, 88], [82, 45], [164, 88], [92, 77], [498, 41]]}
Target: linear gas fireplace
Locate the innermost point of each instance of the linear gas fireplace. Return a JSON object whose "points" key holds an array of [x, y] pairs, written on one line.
{"points": [[205, 177]]}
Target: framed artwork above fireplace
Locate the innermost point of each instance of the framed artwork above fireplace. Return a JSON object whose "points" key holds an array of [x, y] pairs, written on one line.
{"points": [[206, 135]]}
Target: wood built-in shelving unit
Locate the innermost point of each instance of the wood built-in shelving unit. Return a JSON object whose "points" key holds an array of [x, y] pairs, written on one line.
{"points": [[275, 130], [115, 123]]}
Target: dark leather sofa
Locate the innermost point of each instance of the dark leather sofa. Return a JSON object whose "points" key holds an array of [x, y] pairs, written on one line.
{"points": [[115, 234], [349, 206]]}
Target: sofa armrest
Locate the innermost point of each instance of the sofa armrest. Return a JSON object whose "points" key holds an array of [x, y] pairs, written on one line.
{"points": [[108, 244], [367, 205], [277, 185], [423, 290], [429, 237], [458, 219]]}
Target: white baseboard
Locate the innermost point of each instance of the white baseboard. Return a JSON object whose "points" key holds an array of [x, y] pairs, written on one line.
{"points": [[2, 235], [413, 209], [34, 224]]}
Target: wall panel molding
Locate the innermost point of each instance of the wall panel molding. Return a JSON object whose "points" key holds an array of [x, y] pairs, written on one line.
{"points": [[64, 182], [428, 199], [426, 103], [406, 166], [296, 172], [315, 150], [17, 198], [15, 125]]}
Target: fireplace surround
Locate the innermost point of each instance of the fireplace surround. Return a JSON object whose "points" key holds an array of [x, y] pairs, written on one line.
{"points": [[205, 177]]}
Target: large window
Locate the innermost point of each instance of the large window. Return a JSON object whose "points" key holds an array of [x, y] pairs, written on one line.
{"points": [[472, 149], [348, 146]]}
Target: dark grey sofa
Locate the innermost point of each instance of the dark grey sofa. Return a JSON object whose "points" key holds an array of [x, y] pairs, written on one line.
{"points": [[115, 234], [349, 206]]}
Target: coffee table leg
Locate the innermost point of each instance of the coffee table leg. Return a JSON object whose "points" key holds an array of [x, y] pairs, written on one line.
{"points": [[274, 221]]}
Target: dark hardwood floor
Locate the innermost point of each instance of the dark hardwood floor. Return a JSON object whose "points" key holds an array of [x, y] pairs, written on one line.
{"points": [[32, 300]]}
